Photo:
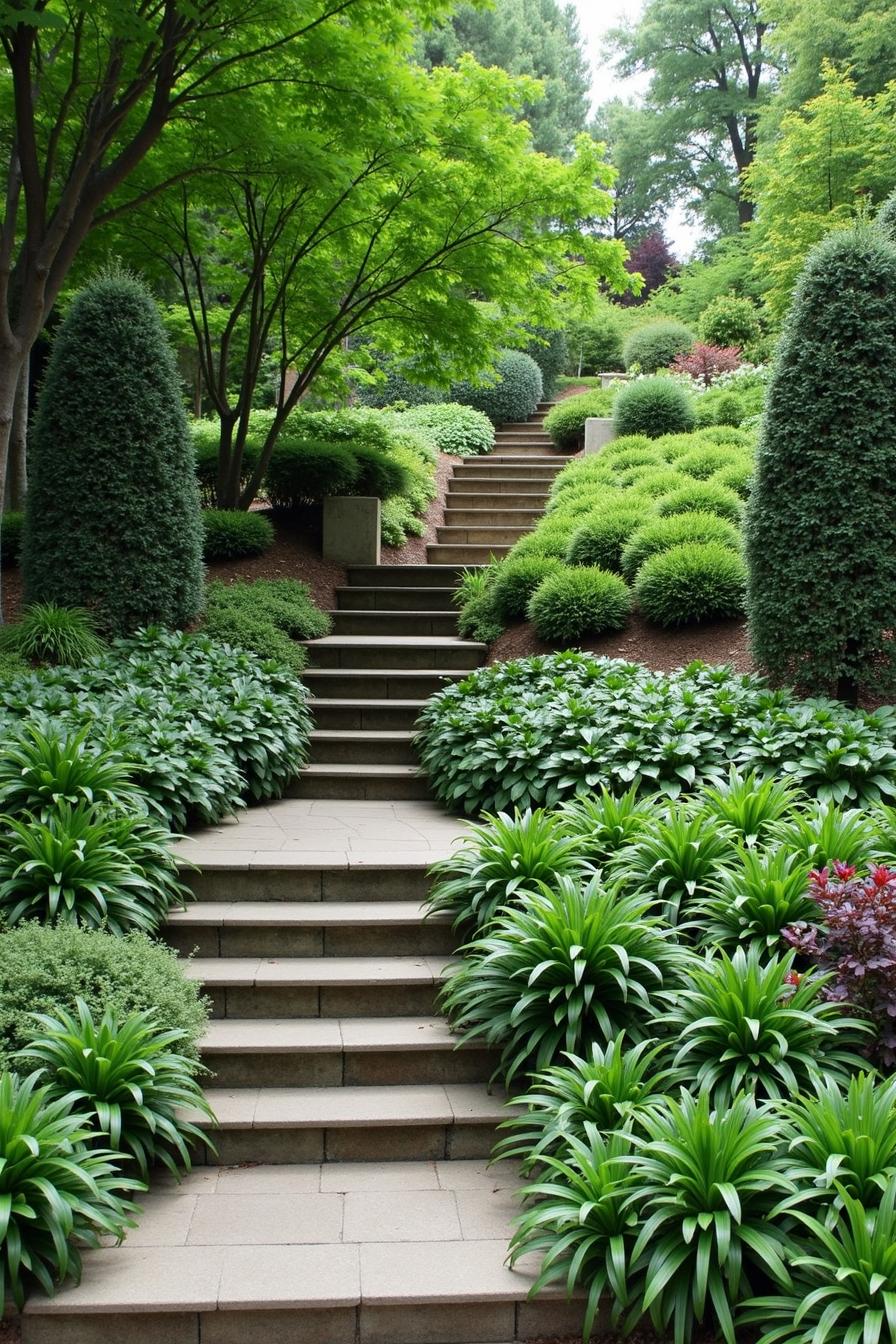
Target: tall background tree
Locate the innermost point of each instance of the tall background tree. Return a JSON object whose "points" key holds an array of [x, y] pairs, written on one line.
{"points": [[539, 38]]}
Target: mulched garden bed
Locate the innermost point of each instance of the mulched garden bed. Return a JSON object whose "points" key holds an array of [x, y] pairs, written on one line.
{"points": [[662, 650]]}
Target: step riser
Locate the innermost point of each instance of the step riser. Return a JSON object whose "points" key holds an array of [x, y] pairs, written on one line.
{"points": [[394, 623], [467, 555], [378, 685], [518, 472], [364, 1068], [339, 884], [395, 599], [402, 576], [422, 940], [480, 536], [360, 751], [385, 1000], [387, 1143], [410, 657], [524, 518], [381, 719], [371, 790]]}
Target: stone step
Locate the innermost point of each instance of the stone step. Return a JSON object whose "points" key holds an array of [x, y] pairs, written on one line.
{"points": [[482, 499], [384, 782], [379, 683], [366, 715], [523, 460], [340, 1052], [395, 652], [524, 518], [511, 484], [395, 599], [394, 622], [524, 443], [280, 878], [422, 1123], [319, 986], [351, 747], [510, 471], [309, 929], [403, 576], [466, 555], [522, 427], [493, 535]]}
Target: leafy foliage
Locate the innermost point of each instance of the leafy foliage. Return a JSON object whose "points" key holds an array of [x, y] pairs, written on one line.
{"points": [[43, 766], [702, 497], [265, 617], [654, 346], [678, 529], [694, 581], [606, 822], [673, 859], [514, 582], [512, 396], [653, 406], [704, 362], [730, 321], [600, 541], [46, 633], [572, 604], [112, 515], [230, 534], [11, 523], [56, 1192], [460, 430], [565, 422], [305, 471], [842, 1138], [753, 900]]}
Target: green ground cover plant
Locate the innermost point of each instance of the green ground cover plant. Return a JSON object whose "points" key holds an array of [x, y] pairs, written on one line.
{"points": [[459, 430], [265, 617], [229, 534]]}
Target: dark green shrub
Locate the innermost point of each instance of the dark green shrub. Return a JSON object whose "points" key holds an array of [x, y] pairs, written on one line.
{"points": [[565, 422], [305, 471], [653, 406], [729, 410], [550, 352], [46, 633], [516, 579], [206, 435], [513, 396], [231, 534], [57, 1191], [266, 616], [459, 430], [595, 347], [655, 346], [112, 517], [573, 604], [46, 969], [478, 620], [661, 534], [885, 219], [729, 321], [398, 383], [378, 473], [702, 497], [821, 615], [599, 540], [11, 524], [692, 582]]}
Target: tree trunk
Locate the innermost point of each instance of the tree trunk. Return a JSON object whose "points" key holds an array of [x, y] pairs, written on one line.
{"points": [[17, 466], [12, 360], [745, 210]]}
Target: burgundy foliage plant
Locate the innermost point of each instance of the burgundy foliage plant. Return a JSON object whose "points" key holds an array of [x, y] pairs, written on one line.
{"points": [[856, 944], [706, 362]]}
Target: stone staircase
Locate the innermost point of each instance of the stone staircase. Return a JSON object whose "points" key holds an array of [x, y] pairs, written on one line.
{"points": [[348, 1200]]}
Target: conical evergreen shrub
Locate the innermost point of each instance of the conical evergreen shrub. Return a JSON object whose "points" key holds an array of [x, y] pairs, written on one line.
{"points": [[112, 519], [821, 529]]}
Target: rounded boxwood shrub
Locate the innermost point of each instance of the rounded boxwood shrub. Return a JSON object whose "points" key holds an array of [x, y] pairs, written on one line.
{"points": [[513, 396], [692, 582], [655, 407], [515, 581], [11, 536], [112, 516], [729, 321], [459, 430], [573, 604], [565, 422], [661, 534], [703, 461], [45, 968], [378, 473], [730, 410], [656, 345], [702, 497], [304, 471], [598, 541], [230, 534]]}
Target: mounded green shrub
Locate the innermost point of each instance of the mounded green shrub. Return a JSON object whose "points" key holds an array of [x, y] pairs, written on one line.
{"points": [[885, 219], [730, 410], [516, 580], [703, 461], [398, 384], [595, 347], [305, 471], [231, 534], [565, 422], [550, 352], [11, 524], [459, 430], [821, 537], [206, 435], [573, 604], [694, 581], [737, 476], [43, 969], [378, 473], [478, 619], [598, 541], [653, 406], [702, 497], [655, 346], [265, 617], [661, 534], [729, 321], [112, 516], [513, 395]]}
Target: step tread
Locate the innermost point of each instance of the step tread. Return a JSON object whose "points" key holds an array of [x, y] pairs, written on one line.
{"points": [[321, 702], [344, 971], [386, 614], [407, 673], [331, 1035], [400, 1104], [304, 914]]}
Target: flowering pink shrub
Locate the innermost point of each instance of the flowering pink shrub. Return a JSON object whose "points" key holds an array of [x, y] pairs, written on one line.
{"points": [[707, 361], [856, 944]]}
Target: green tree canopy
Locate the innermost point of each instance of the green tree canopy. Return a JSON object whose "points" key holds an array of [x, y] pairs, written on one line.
{"points": [[858, 34], [639, 195]]}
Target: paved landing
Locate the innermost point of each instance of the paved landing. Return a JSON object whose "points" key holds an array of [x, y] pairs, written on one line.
{"points": [[299, 832]]}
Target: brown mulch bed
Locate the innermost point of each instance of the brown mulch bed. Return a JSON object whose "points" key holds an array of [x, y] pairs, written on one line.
{"points": [[662, 650]]}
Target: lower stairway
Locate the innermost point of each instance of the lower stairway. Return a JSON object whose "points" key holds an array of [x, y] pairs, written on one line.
{"points": [[348, 1198]]}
